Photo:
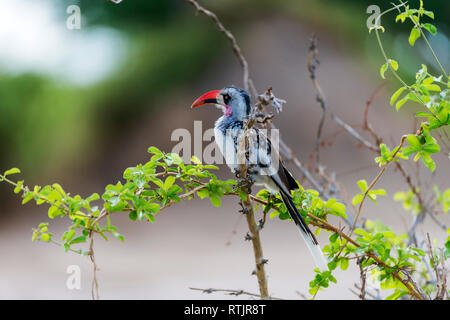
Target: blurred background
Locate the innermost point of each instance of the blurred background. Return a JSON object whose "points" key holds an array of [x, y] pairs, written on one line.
{"points": [[79, 106]]}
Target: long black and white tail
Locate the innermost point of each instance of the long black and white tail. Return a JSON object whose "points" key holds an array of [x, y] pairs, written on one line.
{"points": [[306, 233]]}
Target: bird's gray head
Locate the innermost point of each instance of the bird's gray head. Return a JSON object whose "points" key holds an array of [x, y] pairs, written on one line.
{"points": [[234, 101]]}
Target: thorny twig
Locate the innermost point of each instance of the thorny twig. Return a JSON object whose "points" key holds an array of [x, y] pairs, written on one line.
{"points": [[312, 65], [94, 290], [363, 276], [235, 293], [367, 292], [441, 276], [248, 84]]}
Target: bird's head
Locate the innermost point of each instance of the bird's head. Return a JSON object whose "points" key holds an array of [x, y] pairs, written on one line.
{"points": [[234, 102]]}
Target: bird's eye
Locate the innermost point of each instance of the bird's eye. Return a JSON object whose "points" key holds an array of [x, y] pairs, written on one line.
{"points": [[226, 98]]}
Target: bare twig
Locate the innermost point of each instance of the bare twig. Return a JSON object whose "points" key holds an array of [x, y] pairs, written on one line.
{"points": [[235, 293], [94, 290], [366, 125], [368, 293], [374, 181], [441, 277], [249, 215], [248, 84], [362, 275], [312, 65]]}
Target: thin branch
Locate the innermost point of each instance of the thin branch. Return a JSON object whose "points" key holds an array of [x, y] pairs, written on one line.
{"points": [[248, 83], [235, 293], [247, 207], [366, 124], [312, 65], [94, 290], [362, 275]]}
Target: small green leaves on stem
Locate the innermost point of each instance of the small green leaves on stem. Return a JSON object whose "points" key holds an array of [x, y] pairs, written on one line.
{"points": [[371, 194], [423, 146], [387, 156], [413, 36], [390, 63], [11, 171], [430, 28]]}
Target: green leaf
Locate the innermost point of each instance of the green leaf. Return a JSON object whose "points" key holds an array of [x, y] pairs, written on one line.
{"points": [[400, 103], [28, 196], [383, 70], [133, 215], [413, 141], [118, 236], [357, 199], [203, 193], [215, 200], [362, 185], [428, 162], [68, 235], [432, 87], [46, 237], [402, 17], [344, 264], [334, 237], [419, 251], [79, 239], [394, 64], [11, 171], [195, 160], [150, 217], [396, 295], [53, 212], [431, 148], [93, 197], [423, 114], [429, 13], [169, 182], [242, 194], [153, 207], [58, 188], [154, 150], [18, 188], [339, 209], [380, 192], [431, 28], [396, 95], [414, 35]]}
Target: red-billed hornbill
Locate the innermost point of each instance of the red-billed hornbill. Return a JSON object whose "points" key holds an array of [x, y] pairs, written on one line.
{"points": [[268, 170]]}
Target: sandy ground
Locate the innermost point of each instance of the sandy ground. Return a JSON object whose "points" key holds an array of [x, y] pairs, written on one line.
{"points": [[186, 247]]}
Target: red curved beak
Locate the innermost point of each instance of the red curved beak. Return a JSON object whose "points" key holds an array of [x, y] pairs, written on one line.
{"points": [[207, 98]]}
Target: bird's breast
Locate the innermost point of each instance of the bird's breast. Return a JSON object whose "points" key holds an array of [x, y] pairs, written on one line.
{"points": [[226, 143]]}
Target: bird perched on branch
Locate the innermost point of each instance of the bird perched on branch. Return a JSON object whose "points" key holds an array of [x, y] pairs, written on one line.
{"points": [[264, 166]]}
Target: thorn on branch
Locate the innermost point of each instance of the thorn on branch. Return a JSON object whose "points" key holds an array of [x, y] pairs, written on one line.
{"points": [[244, 209], [261, 224], [269, 99], [236, 293], [210, 290]]}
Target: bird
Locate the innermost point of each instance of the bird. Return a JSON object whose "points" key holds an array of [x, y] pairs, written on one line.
{"points": [[266, 168]]}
